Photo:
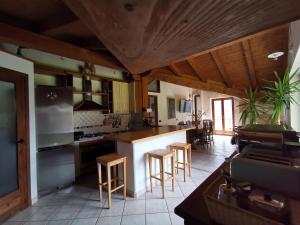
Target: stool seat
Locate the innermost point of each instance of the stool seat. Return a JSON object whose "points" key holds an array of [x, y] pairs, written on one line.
{"points": [[179, 145], [111, 161], [161, 153]]}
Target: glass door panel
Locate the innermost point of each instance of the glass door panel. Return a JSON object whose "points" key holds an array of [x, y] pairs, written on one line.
{"points": [[218, 115], [228, 115], [223, 115], [8, 137], [13, 142]]}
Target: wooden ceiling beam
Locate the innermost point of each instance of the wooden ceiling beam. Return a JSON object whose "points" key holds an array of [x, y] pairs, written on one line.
{"points": [[19, 22], [196, 71], [58, 21], [32, 40], [236, 41], [175, 70], [221, 68], [250, 63], [167, 76], [178, 73]]}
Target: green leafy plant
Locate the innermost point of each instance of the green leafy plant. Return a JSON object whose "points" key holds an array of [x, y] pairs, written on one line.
{"points": [[278, 94], [251, 108]]}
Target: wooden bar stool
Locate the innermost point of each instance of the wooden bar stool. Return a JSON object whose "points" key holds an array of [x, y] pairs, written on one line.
{"points": [[111, 161], [162, 155], [186, 150]]}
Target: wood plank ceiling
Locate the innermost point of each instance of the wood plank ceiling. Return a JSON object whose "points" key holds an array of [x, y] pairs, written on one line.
{"points": [[242, 64], [214, 45]]}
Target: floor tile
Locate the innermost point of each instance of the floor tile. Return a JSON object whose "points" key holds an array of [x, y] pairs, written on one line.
{"points": [[25, 214], [80, 205], [116, 209], [13, 223], [44, 213], [60, 222], [66, 212], [158, 219], [36, 223], [135, 207], [134, 220], [89, 212], [156, 206], [113, 220], [176, 220], [90, 221], [172, 203]]}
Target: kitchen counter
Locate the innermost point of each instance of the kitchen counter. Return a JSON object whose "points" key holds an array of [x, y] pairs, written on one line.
{"points": [[145, 134], [89, 139], [136, 144]]}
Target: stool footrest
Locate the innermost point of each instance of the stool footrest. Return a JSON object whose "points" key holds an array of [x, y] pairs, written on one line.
{"points": [[117, 188], [166, 179], [156, 178]]}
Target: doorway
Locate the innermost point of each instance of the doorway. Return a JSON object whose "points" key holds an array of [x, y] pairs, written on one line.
{"points": [[14, 151], [153, 116], [223, 115]]}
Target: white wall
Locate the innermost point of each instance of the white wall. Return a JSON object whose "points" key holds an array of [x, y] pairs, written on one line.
{"points": [[294, 62], [168, 90], [206, 104], [180, 92], [59, 61], [15, 63]]}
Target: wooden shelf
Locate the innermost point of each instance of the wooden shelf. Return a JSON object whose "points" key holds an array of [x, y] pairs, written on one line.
{"points": [[92, 110], [86, 92], [53, 71]]}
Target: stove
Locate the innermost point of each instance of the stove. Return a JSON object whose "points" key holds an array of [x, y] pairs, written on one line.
{"points": [[81, 135], [97, 134]]}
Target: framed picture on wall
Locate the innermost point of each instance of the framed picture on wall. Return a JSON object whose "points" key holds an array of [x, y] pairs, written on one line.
{"points": [[154, 86], [171, 108]]}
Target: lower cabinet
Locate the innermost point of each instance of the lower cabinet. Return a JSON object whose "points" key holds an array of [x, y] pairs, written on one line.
{"points": [[87, 152]]}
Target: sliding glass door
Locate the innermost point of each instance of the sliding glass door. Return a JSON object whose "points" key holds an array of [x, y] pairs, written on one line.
{"points": [[223, 115]]}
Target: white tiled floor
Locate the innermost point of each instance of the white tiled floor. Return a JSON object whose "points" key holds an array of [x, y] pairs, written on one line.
{"points": [[79, 204]]}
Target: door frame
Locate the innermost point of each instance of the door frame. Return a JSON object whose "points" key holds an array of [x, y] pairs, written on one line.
{"points": [[156, 107], [223, 132], [21, 80], [196, 108]]}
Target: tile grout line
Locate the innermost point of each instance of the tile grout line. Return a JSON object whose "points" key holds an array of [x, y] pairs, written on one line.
{"points": [[146, 206]]}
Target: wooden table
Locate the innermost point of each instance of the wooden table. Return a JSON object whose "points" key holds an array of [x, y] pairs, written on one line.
{"points": [[194, 209]]}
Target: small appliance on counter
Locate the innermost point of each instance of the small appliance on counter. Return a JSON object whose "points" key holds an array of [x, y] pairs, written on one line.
{"points": [[55, 138], [273, 169]]}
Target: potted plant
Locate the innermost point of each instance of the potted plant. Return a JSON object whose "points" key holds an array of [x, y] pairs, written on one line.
{"points": [[278, 94], [250, 106]]}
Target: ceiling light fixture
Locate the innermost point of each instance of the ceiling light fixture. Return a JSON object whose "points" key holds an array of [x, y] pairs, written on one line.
{"points": [[275, 55]]}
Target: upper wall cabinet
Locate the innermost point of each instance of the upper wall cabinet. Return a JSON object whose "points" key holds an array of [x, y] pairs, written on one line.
{"points": [[120, 97]]}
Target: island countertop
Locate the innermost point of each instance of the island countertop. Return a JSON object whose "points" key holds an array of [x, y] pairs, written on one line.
{"points": [[145, 134]]}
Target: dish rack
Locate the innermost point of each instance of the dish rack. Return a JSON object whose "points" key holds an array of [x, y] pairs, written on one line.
{"points": [[230, 214]]}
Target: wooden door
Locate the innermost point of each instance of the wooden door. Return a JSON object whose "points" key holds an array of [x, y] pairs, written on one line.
{"points": [[153, 116], [14, 147], [223, 115]]}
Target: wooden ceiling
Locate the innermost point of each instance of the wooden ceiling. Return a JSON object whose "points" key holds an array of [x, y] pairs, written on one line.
{"points": [[234, 66], [217, 45]]}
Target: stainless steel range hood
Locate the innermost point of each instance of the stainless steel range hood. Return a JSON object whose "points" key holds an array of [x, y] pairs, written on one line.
{"points": [[87, 103]]}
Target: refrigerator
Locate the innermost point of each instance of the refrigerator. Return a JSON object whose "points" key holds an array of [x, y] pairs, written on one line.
{"points": [[55, 138]]}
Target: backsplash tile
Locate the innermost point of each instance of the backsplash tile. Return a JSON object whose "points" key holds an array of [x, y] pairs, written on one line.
{"points": [[92, 121]]}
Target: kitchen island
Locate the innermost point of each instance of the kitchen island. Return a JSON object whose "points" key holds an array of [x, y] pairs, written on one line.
{"points": [[135, 144]]}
